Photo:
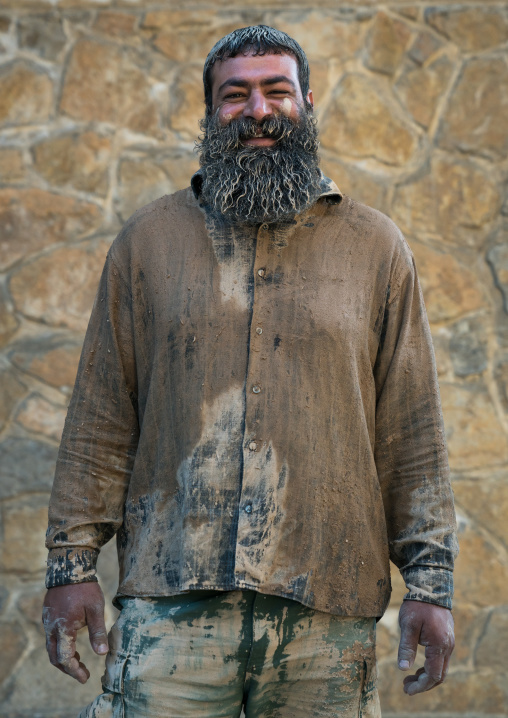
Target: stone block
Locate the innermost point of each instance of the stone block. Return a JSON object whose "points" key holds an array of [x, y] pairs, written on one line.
{"points": [[11, 392], [485, 500], [27, 465], [79, 160], [353, 181], [51, 357], [449, 288], [497, 257], [5, 23], [492, 648], [118, 24], [102, 83], [180, 166], [474, 433], [451, 201], [410, 11], [59, 288], [421, 87], [13, 642], [40, 416], [187, 106], [26, 94], [140, 182], [468, 346], [469, 623], [25, 520], [12, 169], [32, 219], [475, 119], [501, 379], [42, 34], [424, 46], [386, 43], [472, 29], [362, 122], [8, 322]]}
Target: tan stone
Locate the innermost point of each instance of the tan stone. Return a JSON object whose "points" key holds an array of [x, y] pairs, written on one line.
{"points": [[5, 23], [386, 43], [476, 117], [497, 257], [472, 29], [180, 167], [42, 34], [117, 24], [351, 180], [12, 169], [469, 622], [81, 160], [103, 84], [451, 201], [492, 649], [319, 82], [8, 322], [59, 288], [32, 219], [486, 501], [53, 359], [11, 391], [410, 11], [362, 123], [24, 527], [420, 88], [187, 101], [26, 94], [449, 289], [13, 642], [140, 182], [424, 46], [474, 434], [40, 416], [386, 642], [501, 377]]}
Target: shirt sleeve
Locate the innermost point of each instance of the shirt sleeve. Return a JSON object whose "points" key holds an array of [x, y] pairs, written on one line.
{"points": [[410, 450], [99, 439]]}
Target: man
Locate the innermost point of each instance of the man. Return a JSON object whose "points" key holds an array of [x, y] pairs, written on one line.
{"points": [[256, 417]]}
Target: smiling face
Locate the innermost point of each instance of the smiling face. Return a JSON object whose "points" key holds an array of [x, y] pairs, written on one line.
{"points": [[257, 87]]}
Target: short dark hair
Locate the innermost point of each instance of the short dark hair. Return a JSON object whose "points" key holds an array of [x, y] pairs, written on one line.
{"points": [[258, 40]]}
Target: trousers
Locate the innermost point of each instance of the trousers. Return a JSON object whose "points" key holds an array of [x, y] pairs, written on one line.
{"points": [[210, 654]]}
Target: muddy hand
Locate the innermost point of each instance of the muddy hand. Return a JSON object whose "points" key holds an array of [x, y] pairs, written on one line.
{"points": [[431, 626], [66, 610]]}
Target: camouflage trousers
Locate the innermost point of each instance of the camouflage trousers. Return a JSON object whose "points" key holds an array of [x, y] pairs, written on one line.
{"points": [[207, 654]]}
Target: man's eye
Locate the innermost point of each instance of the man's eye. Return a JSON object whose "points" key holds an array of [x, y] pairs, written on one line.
{"points": [[233, 96]]}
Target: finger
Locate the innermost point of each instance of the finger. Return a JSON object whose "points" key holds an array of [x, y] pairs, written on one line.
{"points": [[97, 629], [419, 684], [434, 662], [66, 656], [409, 635]]}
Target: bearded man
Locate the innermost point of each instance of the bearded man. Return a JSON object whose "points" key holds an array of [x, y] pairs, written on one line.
{"points": [[256, 418]]}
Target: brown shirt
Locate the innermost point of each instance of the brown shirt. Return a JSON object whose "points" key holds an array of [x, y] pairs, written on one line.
{"points": [[257, 407]]}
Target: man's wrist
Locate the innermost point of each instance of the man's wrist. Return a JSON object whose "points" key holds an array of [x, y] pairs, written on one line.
{"points": [[429, 584], [71, 565]]}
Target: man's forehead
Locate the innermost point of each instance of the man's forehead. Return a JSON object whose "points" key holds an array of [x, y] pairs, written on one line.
{"points": [[255, 67]]}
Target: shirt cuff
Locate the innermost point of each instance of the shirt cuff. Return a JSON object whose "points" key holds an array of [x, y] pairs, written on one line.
{"points": [[70, 565], [429, 584]]}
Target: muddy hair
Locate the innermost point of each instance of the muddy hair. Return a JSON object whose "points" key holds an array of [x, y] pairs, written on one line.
{"points": [[258, 40]]}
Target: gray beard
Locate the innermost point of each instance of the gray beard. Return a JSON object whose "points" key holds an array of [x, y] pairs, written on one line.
{"points": [[249, 185]]}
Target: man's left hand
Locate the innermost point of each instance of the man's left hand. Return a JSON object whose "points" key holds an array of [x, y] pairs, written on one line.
{"points": [[431, 626]]}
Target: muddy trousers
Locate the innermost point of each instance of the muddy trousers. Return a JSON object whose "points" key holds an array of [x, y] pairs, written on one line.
{"points": [[208, 654]]}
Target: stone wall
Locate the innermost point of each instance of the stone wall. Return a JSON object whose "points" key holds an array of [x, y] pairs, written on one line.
{"points": [[99, 106]]}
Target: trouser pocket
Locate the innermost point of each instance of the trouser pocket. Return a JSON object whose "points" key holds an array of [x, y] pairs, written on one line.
{"points": [[110, 704]]}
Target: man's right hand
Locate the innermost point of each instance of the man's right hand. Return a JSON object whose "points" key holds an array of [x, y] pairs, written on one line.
{"points": [[66, 610]]}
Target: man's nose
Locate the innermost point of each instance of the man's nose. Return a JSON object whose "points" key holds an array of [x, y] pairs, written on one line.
{"points": [[257, 107]]}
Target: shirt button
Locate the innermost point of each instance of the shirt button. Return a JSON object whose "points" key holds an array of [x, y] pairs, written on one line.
{"points": [[253, 446], [264, 226], [259, 330], [256, 389], [261, 272], [248, 509]]}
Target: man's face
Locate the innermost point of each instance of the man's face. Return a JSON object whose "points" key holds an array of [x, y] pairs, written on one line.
{"points": [[257, 87]]}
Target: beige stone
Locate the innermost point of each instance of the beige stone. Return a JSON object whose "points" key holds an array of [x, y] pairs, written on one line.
{"points": [[497, 257], [486, 501], [5, 23], [450, 201], [187, 101], [424, 46], [474, 434], [472, 29], [449, 288], [59, 288], [501, 378], [118, 24], [361, 122], [410, 11], [180, 167], [351, 180], [54, 360], [102, 83], [80, 160], [386, 43], [476, 117], [140, 182], [11, 392], [13, 641], [469, 622], [32, 219], [12, 169], [386, 642], [8, 322], [319, 82], [26, 94], [420, 88], [40, 416], [24, 527], [42, 34], [492, 649]]}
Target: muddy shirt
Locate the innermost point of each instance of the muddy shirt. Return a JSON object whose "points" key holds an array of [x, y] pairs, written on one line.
{"points": [[257, 408]]}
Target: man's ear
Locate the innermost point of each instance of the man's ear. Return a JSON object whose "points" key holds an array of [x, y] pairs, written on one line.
{"points": [[310, 99]]}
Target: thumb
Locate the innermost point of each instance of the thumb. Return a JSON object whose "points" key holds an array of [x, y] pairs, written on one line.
{"points": [[97, 629], [409, 636]]}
